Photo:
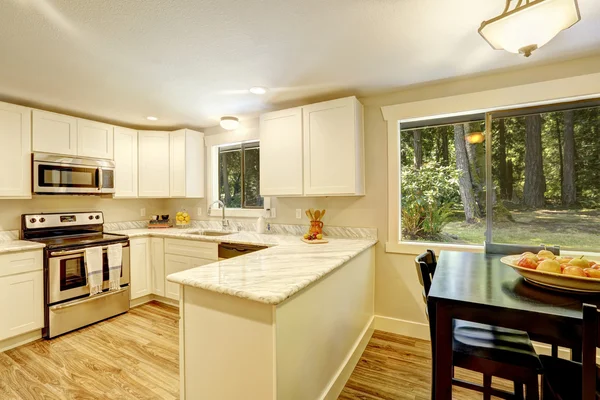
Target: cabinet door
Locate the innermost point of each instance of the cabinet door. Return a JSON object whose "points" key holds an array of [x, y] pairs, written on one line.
{"points": [[21, 303], [174, 264], [139, 253], [157, 260], [177, 163], [194, 164], [15, 163], [94, 139], [126, 163], [333, 148], [281, 153], [54, 133], [153, 164]]}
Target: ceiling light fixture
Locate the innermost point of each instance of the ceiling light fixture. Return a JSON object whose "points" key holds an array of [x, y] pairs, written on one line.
{"points": [[229, 123], [151, 118], [475, 137], [258, 90], [529, 25]]}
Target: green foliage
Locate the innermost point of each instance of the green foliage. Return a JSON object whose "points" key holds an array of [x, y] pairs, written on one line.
{"points": [[428, 195]]}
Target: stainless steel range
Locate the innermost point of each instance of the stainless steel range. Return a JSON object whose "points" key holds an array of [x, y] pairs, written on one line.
{"points": [[69, 305]]}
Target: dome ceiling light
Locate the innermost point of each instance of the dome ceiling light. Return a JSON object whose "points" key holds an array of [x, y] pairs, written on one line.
{"points": [[229, 123], [529, 25]]}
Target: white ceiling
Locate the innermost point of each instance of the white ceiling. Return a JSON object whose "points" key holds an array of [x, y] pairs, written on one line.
{"points": [[189, 62]]}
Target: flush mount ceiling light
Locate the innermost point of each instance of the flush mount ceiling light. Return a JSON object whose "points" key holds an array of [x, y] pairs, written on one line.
{"points": [[529, 25], [258, 90], [229, 123], [475, 137], [151, 118]]}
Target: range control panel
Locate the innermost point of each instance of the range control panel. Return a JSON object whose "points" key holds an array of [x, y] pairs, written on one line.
{"points": [[54, 220]]}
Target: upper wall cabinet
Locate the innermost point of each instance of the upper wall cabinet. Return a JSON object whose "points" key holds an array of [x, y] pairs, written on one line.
{"points": [[94, 139], [186, 163], [153, 164], [15, 163], [334, 148], [126, 161], [62, 134], [281, 153], [315, 150], [54, 133]]}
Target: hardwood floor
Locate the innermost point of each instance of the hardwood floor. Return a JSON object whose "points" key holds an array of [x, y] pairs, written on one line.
{"points": [[398, 367], [136, 356], [132, 356]]}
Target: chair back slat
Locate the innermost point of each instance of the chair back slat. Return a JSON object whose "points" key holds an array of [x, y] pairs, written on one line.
{"points": [[509, 249], [425, 264], [589, 344]]}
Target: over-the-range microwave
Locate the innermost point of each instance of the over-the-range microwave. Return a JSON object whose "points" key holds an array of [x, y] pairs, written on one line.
{"points": [[57, 174]]}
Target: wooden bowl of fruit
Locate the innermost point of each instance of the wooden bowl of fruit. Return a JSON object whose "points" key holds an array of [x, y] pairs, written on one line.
{"points": [[576, 274]]}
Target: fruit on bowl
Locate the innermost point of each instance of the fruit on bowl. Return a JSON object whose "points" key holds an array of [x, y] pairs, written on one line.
{"points": [[549, 265], [546, 262], [182, 218], [546, 254], [580, 262], [317, 236], [574, 271]]}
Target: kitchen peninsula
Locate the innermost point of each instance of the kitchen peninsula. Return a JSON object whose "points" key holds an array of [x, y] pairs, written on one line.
{"points": [[287, 322]]}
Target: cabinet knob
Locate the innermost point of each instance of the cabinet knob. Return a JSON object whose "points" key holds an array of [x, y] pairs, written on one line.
{"points": [[33, 220], [91, 217], [42, 220]]}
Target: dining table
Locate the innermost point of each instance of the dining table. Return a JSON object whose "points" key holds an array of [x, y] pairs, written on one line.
{"points": [[478, 287]]}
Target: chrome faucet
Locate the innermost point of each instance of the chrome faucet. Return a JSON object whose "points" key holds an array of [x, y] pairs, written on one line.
{"points": [[224, 222]]}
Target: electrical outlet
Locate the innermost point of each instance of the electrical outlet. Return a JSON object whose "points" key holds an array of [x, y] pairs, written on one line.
{"points": [[199, 211], [298, 213], [273, 213], [142, 212]]}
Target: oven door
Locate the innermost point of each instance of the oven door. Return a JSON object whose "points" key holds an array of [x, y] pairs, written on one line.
{"points": [[65, 178], [67, 278]]}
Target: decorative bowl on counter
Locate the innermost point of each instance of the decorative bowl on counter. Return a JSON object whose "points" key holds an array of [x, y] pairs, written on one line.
{"points": [[183, 219]]}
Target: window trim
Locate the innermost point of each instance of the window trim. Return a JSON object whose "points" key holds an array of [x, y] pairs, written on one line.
{"points": [[575, 88]]}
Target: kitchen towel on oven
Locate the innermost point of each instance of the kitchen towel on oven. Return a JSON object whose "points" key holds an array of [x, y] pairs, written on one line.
{"points": [[93, 269], [115, 261]]}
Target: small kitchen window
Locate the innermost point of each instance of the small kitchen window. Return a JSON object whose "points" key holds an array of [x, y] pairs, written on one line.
{"points": [[239, 175]]}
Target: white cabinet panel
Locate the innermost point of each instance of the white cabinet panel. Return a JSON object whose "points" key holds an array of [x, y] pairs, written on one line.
{"points": [[153, 162], [187, 164], [175, 264], [15, 163], [281, 153], [126, 161], [157, 261], [139, 253], [54, 133], [94, 139], [333, 148], [21, 303]]}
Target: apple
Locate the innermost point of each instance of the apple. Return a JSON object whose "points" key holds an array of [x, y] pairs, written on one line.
{"points": [[574, 271], [580, 262], [563, 260], [546, 254], [527, 262], [549, 266], [595, 266], [530, 255], [592, 273]]}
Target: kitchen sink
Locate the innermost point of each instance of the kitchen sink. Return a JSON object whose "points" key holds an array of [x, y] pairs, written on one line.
{"points": [[214, 233]]}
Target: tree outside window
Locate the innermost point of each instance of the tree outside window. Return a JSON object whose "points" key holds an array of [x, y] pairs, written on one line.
{"points": [[239, 175]]}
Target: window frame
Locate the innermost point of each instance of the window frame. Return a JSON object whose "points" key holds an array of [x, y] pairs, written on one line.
{"points": [[242, 147], [577, 88]]}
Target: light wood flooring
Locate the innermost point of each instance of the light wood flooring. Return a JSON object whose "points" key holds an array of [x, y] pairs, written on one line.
{"points": [[135, 356]]}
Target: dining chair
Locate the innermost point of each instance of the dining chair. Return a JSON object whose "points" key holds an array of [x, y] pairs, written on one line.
{"points": [[565, 379], [490, 350]]}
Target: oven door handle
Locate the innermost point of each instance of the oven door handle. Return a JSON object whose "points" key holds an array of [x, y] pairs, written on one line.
{"points": [[79, 301], [78, 251]]}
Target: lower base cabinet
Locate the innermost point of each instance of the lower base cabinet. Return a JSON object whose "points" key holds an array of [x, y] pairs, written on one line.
{"points": [[176, 263]]}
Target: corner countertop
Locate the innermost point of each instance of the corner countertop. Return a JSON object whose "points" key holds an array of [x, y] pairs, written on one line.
{"points": [[268, 276], [14, 246]]}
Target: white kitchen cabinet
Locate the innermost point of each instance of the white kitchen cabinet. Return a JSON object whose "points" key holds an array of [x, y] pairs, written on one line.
{"points": [[54, 133], [94, 139], [175, 263], [140, 274], [186, 163], [15, 163], [281, 153], [153, 164], [21, 293], [126, 162], [157, 262], [333, 148]]}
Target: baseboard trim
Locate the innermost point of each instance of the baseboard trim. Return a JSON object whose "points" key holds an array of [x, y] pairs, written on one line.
{"points": [[153, 297], [402, 327], [339, 381], [20, 340]]}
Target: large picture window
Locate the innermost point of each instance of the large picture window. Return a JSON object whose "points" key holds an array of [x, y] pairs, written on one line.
{"points": [[544, 186], [239, 175]]}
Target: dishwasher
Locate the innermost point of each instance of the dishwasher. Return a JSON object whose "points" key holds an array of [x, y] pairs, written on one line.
{"points": [[228, 250]]}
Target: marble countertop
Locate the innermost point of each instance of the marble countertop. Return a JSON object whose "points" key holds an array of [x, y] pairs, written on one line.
{"points": [[13, 246], [268, 276]]}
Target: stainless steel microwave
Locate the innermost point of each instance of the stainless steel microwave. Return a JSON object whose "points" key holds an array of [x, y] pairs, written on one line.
{"points": [[56, 174]]}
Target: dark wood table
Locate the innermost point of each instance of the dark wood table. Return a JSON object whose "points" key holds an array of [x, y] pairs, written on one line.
{"points": [[478, 287]]}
